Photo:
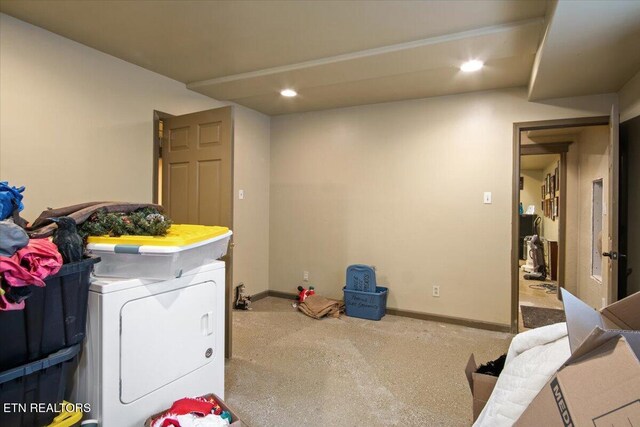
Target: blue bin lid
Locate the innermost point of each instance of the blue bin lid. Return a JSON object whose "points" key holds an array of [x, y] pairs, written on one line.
{"points": [[361, 277]]}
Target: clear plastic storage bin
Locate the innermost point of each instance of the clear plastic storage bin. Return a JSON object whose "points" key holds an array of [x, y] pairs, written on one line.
{"points": [[184, 248]]}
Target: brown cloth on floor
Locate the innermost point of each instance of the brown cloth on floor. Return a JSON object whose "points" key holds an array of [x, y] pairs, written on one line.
{"points": [[317, 307], [44, 227]]}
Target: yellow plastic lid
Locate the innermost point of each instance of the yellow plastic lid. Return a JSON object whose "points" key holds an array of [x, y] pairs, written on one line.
{"points": [[66, 418], [178, 235]]}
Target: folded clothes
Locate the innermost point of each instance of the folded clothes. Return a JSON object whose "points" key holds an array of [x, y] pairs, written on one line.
{"points": [[28, 266], [318, 307]]}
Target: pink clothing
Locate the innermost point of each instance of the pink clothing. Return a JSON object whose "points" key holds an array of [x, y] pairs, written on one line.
{"points": [[29, 266]]}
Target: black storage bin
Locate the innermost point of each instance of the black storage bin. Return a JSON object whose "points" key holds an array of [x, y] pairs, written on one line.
{"points": [[44, 382], [54, 317]]}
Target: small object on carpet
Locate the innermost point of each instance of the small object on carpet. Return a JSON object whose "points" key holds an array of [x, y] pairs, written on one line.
{"points": [[550, 288], [304, 293], [317, 307], [493, 367], [535, 317], [242, 301]]}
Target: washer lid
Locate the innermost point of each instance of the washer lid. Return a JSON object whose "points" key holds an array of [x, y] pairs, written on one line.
{"points": [[165, 337]]}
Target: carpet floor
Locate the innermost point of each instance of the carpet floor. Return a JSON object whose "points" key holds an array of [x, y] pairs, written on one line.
{"points": [[290, 370], [536, 317]]}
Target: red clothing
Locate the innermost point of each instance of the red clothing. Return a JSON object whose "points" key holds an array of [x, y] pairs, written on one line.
{"points": [[29, 266], [191, 406], [198, 406], [304, 293]]}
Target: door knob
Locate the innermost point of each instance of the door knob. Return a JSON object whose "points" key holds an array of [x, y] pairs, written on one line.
{"points": [[613, 255]]}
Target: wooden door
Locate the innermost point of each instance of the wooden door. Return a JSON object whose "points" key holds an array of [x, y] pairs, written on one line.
{"points": [[197, 178], [612, 206]]}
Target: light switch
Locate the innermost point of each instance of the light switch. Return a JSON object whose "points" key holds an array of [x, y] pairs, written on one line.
{"points": [[241, 194], [487, 197]]}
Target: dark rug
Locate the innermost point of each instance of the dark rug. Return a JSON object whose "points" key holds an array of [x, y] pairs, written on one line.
{"points": [[534, 317]]}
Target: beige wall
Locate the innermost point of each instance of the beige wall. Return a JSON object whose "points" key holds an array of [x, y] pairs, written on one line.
{"points": [[630, 99], [550, 227], [530, 194], [400, 186], [76, 125], [251, 215]]}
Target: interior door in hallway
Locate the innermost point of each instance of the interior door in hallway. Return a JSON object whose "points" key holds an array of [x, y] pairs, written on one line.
{"points": [[612, 254], [197, 178]]}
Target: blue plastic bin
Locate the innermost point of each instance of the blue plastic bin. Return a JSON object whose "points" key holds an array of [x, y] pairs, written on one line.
{"points": [[366, 305], [46, 381], [361, 278]]}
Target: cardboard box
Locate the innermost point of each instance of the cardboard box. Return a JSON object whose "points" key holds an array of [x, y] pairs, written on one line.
{"points": [[235, 420], [599, 385], [481, 386]]}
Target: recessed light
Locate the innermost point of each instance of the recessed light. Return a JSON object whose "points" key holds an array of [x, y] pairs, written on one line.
{"points": [[289, 93], [473, 65]]}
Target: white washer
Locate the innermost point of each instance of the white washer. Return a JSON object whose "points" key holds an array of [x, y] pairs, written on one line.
{"points": [[150, 343]]}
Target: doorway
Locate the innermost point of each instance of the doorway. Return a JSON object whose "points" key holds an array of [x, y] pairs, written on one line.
{"points": [[539, 224], [629, 270], [193, 177], [547, 159]]}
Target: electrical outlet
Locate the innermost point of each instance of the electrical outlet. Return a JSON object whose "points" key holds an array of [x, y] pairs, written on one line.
{"points": [[305, 276], [436, 291]]}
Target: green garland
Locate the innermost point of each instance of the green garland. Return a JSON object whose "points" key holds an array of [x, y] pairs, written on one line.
{"points": [[142, 222]]}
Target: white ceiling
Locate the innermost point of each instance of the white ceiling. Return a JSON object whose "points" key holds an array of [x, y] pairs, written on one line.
{"points": [[548, 136], [334, 53], [538, 161], [590, 47]]}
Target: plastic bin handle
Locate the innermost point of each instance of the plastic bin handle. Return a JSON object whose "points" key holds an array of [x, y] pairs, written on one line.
{"points": [[51, 360], [127, 249]]}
